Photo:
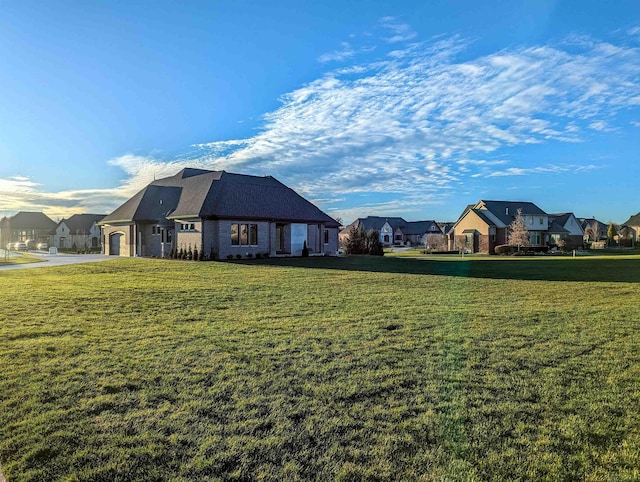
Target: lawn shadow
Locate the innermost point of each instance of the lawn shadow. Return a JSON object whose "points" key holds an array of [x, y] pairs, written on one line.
{"points": [[614, 269]]}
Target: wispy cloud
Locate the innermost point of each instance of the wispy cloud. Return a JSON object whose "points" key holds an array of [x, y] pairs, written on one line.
{"points": [[345, 52], [551, 169], [400, 32], [422, 120]]}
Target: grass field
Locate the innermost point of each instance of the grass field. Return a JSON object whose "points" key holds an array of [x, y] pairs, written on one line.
{"points": [[322, 369], [17, 259]]}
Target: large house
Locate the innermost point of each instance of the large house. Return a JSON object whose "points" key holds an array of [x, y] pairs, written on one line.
{"points": [[29, 226], [633, 223], [593, 229], [80, 231], [395, 230], [220, 214], [485, 225]]}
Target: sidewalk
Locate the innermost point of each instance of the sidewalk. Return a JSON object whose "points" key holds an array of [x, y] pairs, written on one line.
{"points": [[57, 260]]}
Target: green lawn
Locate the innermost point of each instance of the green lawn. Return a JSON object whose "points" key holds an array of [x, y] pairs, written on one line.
{"points": [[19, 259], [322, 369]]}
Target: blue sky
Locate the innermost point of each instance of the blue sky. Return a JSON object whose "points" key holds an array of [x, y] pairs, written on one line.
{"points": [[413, 108]]}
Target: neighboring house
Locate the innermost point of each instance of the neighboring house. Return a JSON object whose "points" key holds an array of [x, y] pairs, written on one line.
{"points": [[80, 231], [385, 226], [394, 230], [220, 214], [633, 223], [484, 225], [30, 226], [588, 225], [565, 227]]}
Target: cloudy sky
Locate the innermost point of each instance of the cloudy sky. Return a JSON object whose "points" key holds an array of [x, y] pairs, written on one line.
{"points": [[413, 108]]}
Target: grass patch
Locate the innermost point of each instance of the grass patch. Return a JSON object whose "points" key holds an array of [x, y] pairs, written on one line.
{"points": [[331, 369], [19, 259]]}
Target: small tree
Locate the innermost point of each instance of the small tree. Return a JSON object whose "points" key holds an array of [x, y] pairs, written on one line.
{"points": [[612, 232], [4, 236], [435, 241], [305, 250], [355, 243], [594, 231], [518, 232], [373, 245]]}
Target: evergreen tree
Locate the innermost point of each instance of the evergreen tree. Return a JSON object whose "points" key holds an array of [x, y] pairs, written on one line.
{"points": [[612, 232], [374, 246], [355, 243]]}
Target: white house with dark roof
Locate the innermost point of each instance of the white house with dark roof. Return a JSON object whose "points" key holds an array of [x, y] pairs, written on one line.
{"points": [[395, 230], [565, 227], [80, 231], [220, 214]]}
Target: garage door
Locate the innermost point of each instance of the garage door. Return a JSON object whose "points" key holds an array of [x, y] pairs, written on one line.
{"points": [[114, 244]]}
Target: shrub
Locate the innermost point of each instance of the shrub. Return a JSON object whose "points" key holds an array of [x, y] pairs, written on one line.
{"points": [[195, 254], [258, 256], [238, 256], [503, 249], [212, 255], [266, 255], [249, 255], [305, 250]]}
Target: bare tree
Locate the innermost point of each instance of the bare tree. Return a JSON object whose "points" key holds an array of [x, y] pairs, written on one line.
{"points": [[436, 242], [594, 230], [518, 232], [4, 236]]}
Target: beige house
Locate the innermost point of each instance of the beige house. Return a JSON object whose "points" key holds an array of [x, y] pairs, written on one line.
{"points": [[222, 215], [633, 223], [484, 225]]}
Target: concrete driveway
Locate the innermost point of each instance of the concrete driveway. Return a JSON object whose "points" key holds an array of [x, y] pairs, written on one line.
{"points": [[58, 260]]}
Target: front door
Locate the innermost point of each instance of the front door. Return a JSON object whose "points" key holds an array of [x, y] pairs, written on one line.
{"points": [[280, 238]]}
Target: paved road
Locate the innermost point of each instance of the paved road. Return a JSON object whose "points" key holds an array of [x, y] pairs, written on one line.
{"points": [[59, 260]]}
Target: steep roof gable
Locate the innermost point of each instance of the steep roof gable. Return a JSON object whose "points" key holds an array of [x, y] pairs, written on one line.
{"points": [[82, 223], [31, 220], [506, 211], [633, 221]]}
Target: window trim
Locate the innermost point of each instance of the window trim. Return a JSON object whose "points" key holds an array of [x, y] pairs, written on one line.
{"points": [[248, 227]]}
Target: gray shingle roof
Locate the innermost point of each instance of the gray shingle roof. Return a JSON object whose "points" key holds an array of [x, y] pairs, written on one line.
{"points": [[218, 194], [31, 220], [375, 223], [82, 223], [633, 221], [556, 227], [420, 227], [506, 211]]}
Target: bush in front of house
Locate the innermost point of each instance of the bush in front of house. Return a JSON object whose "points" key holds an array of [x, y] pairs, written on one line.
{"points": [[503, 249]]}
